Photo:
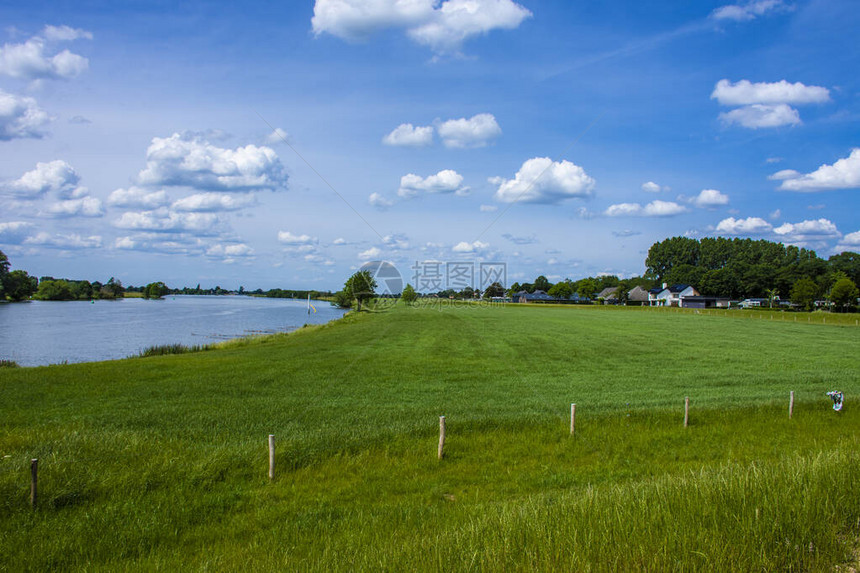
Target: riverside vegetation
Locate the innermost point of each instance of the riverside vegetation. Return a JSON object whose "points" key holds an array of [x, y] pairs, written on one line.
{"points": [[161, 462]]}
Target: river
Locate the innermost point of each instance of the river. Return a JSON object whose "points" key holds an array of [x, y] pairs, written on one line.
{"points": [[42, 332]]}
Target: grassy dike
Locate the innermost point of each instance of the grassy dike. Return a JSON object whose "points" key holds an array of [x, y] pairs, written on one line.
{"points": [[160, 463]]}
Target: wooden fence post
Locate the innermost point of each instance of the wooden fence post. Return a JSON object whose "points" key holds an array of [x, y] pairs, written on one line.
{"points": [[271, 456], [790, 404], [572, 419], [686, 410], [441, 436], [34, 482]]}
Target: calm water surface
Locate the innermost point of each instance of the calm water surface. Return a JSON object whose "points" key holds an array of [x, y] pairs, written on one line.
{"points": [[42, 332]]}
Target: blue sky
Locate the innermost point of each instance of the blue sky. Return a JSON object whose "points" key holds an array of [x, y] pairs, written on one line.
{"points": [[284, 144]]}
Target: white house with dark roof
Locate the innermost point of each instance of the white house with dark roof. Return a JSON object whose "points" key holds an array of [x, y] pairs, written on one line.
{"points": [[670, 295]]}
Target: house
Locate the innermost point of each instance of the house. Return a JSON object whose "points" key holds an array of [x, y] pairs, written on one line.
{"points": [[670, 295], [536, 296], [609, 295], [754, 302], [706, 301], [637, 296]]}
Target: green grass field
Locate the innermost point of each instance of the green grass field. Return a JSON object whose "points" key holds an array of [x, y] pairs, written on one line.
{"points": [[161, 463]]}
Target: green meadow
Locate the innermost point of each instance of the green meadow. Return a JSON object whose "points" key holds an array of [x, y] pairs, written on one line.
{"points": [[160, 463]]}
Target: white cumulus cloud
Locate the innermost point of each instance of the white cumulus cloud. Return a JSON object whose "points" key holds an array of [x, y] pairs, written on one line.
{"points": [[71, 241], [138, 198], [288, 238], [466, 247], [476, 131], [33, 59], [21, 117], [83, 207], [379, 201], [844, 174], [784, 174], [542, 180], [710, 198], [407, 135], [229, 251], [163, 220], [760, 115], [212, 202], [370, 254], [652, 209], [815, 229], [443, 26], [445, 181], [54, 176], [850, 242], [191, 161], [651, 187], [745, 92], [748, 226]]}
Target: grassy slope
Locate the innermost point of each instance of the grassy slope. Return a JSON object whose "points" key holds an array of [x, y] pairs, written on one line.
{"points": [[160, 462]]}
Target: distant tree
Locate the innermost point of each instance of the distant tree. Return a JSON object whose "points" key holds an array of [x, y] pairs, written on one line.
{"points": [[494, 290], [155, 290], [112, 289], [343, 299], [844, 293], [515, 288], [361, 287], [849, 263], [561, 290], [804, 292], [542, 283], [409, 295], [587, 287], [19, 285], [54, 290]]}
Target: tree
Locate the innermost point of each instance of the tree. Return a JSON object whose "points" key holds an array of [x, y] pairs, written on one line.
{"points": [[409, 295], [54, 290], [561, 290], [113, 289], [155, 290], [772, 295], [4, 270], [360, 287], [803, 293], [19, 285], [494, 290], [844, 293], [587, 287], [542, 283]]}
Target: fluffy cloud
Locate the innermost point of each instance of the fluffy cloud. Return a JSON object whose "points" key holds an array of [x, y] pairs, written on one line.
{"points": [[166, 221], [443, 27], [760, 115], [212, 202], [850, 242], [288, 238], [651, 187], [379, 201], [477, 131], [277, 136], [370, 254], [138, 198], [542, 180], [191, 161], [72, 241], [710, 198], [747, 11], [457, 20], [474, 247], [21, 117], [396, 242], [229, 251], [748, 226], [816, 229], [652, 209], [766, 104], [55, 176], [407, 135], [446, 181], [784, 174], [29, 60], [14, 232], [745, 92], [83, 207], [844, 174], [489, 208]]}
